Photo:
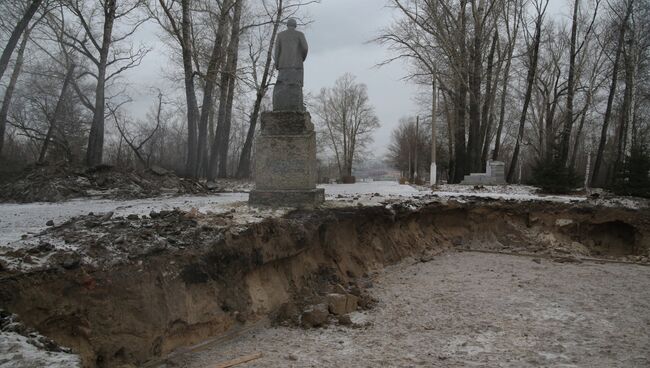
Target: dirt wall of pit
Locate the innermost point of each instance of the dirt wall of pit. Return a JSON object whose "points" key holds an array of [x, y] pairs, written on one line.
{"points": [[149, 306]]}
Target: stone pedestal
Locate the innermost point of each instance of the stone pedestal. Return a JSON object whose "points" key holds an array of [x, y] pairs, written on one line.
{"points": [[285, 162], [494, 175]]}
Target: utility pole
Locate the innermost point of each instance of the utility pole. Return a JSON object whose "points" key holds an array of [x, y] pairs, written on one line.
{"points": [[417, 130], [434, 106]]}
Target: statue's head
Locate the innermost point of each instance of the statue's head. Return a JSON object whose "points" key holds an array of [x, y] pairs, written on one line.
{"points": [[291, 23]]}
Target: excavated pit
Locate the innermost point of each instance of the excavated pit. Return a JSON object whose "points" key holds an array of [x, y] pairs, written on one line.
{"points": [[147, 304]]}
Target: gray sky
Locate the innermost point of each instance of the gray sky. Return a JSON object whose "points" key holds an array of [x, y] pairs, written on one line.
{"points": [[338, 40]]}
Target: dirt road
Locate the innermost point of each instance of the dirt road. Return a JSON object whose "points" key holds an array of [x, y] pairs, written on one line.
{"points": [[472, 310]]}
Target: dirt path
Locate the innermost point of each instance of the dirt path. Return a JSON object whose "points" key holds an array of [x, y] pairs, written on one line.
{"points": [[470, 309]]}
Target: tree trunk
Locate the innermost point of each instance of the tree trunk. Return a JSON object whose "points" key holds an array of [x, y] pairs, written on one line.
{"points": [[610, 99], [244, 168], [9, 92], [504, 90], [488, 105], [576, 144], [433, 175], [191, 163], [95, 151], [219, 153], [459, 134], [450, 139], [58, 110], [530, 80], [461, 166], [474, 139], [15, 35], [568, 122], [627, 111], [551, 107], [214, 64]]}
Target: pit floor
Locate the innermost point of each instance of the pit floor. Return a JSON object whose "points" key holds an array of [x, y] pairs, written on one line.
{"points": [[471, 310]]}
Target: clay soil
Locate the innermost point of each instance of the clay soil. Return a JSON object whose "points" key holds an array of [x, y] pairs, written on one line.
{"points": [[471, 309]]}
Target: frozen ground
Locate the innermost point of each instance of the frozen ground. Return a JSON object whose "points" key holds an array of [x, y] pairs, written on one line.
{"points": [[17, 352], [383, 188], [471, 310], [27, 219], [17, 220]]}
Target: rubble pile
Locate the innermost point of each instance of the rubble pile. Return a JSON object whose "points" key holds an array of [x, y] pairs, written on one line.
{"points": [[54, 183], [105, 240]]}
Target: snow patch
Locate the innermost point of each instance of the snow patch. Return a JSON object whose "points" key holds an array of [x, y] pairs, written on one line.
{"points": [[16, 351]]}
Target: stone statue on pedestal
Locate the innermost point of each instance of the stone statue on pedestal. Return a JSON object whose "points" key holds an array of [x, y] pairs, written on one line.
{"points": [[290, 53], [285, 154]]}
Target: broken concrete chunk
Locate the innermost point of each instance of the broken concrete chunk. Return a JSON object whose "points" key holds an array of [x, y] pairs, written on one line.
{"points": [[315, 316], [563, 222], [340, 304]]}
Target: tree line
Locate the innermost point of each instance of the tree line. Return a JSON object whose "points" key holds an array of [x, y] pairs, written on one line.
{"points": [[560, 96], [69, 62]]}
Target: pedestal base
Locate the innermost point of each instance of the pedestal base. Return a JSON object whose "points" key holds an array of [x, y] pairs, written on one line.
{"points": [[287, 198], [285, 162]]}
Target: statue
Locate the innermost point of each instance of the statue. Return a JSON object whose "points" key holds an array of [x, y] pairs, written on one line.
{"points": [[290, 52], [285, 150]]}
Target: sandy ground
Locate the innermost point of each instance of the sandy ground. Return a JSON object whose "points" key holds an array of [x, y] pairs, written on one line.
{"points": [[471, 310]]}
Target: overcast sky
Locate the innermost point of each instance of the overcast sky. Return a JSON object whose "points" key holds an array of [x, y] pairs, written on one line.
{"points": [[339, 42]]}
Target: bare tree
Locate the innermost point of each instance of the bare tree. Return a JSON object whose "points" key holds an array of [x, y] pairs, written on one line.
{"points": [[11, 87], [573, 54], [58, 111], [219, 153], [21, 26], [612, 91], [216, 60], [244, 168], [533, 58], [347, 119], [179, 26], [517, 8], [95, 42], [408, 148]]}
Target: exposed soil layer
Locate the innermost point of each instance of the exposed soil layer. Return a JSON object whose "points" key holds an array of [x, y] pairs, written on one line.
{"points": [[470, 310], [146, 286]]}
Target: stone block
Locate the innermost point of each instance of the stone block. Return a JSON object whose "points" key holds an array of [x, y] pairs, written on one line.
{"points": [[494, 175], [287, 198], [286, 123], [315, 316], [286, 162], [339, 304]]}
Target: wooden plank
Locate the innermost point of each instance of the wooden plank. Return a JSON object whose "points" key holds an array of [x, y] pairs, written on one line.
{"points": [[238, 361]]}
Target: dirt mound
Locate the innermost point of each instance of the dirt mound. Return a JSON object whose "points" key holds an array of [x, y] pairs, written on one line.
{"points": [[53, 183]]}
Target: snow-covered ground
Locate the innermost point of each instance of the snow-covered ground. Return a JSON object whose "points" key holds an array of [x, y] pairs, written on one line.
{"points": [[17, 220], [16, 351], [383, 188], [29, 219], [507, 192]]}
